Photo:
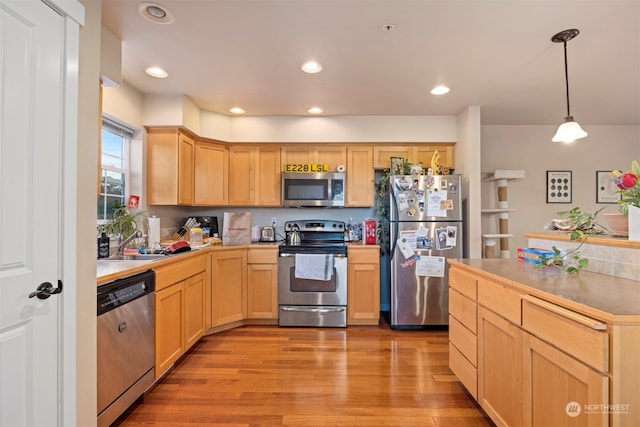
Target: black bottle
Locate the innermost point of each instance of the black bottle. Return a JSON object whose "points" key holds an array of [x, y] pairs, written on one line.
{"points": [[103, 246]]}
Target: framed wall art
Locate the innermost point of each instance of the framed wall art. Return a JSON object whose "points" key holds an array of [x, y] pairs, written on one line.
{"points": [[606, 188], [558, 186]]}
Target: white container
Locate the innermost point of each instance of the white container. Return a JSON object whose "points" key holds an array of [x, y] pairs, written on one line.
{"points": [[256, 233], [154, 231]]}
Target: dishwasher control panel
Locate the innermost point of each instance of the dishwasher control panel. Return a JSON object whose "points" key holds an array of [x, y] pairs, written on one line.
{"points": [[123, 290]]}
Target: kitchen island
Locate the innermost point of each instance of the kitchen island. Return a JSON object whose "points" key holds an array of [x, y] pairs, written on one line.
{"points": [[535, 346]]}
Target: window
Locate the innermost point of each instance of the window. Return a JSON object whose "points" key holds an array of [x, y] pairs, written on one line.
{"points": [[114, 171]]}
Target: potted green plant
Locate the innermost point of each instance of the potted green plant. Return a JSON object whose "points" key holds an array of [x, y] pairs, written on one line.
{"points": [[581, 225], [123, 223], [382, 191]]}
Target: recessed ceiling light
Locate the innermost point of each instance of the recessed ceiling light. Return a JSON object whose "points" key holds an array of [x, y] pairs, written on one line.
{"points": [[311, 67], [315, 110], [237, 110], [156, 72], [440, 90], [155, 13]]}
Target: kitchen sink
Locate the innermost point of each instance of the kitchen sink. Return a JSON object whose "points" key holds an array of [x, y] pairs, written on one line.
{"points": [[134, 257]]}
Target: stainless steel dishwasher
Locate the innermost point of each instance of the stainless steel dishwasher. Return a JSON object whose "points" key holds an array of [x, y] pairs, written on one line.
{"points": [[126, 343]]}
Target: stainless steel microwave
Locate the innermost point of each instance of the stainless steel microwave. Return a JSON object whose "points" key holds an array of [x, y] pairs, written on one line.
{"points": [[322, 189]]}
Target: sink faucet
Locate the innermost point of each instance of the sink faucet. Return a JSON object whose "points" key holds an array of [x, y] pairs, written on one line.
{"points": [[126, 241]]}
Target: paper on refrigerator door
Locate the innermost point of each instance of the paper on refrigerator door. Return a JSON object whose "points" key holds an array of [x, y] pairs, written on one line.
{"points": [[434, 203], [452, 232], [407, 243], [430, 266]]}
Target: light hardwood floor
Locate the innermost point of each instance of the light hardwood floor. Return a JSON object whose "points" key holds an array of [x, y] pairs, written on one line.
{"points": [[270, 376]]}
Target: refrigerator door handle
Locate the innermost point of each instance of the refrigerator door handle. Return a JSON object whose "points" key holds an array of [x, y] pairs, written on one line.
{"points": [[394, 234]]}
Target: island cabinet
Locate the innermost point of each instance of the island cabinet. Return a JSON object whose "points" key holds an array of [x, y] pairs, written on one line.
{"points": [[499, 353], [210, 173], [414, 154], [228, 286], [463, 329], [360, 183], [170, 166], [568, 353], [179, 310], [551, 350], [363, 284], [262, 283], [333, 155], [254, 175]]}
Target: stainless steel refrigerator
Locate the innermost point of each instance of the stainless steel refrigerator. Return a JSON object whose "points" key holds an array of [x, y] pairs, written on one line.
{"points": [[426, 229]]}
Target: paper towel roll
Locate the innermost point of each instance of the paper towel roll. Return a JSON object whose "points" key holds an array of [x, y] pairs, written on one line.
{"points": [[154, 231]]}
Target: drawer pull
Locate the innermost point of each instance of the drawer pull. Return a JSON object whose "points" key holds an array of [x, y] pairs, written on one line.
{"points": [[578, 318]]}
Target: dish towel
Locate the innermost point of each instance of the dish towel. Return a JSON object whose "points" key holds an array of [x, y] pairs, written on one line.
{"points": [[314, 266]]}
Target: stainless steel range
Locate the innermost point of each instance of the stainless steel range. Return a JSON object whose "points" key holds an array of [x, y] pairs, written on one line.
{"points": [[312, 274]]}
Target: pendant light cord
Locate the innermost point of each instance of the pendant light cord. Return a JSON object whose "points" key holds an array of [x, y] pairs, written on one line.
{"points": [[566, 77]]}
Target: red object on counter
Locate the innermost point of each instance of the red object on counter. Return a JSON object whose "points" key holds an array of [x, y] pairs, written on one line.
{"points": [[369, 231], [177, 247]]}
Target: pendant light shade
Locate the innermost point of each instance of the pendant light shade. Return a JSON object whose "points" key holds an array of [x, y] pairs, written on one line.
{"points": [[570, 130]]}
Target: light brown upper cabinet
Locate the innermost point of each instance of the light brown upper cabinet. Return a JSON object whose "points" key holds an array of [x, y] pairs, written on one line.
{"points": [[333, 155], [414, 153], [360, 182], [254, 175], [210, 173], [170, 166]]}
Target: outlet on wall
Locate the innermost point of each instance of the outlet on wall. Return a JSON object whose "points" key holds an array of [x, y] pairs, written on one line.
{"points": [[274, 221]]}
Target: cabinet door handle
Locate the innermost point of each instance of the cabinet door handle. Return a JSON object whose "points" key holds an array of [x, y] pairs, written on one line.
{"points": [[571, 315]]}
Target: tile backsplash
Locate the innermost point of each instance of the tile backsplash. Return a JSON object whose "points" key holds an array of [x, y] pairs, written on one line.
{"points": [[611, 260]]}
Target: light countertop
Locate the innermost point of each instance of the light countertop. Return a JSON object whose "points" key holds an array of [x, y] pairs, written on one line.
{"points": [[605, 297], [108, 271]]}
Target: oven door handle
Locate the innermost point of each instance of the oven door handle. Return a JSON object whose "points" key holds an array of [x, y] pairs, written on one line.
{"points": [[315, 310], [334, 255]]}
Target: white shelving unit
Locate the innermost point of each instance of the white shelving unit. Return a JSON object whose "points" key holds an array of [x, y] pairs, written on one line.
{"points": [[501, 177]]}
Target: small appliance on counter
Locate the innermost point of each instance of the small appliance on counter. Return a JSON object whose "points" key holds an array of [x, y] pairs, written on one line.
{"points": [[209, 225], [268, 234]]}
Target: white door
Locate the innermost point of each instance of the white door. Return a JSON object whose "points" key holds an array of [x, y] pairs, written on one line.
{"points": [[31, 115]]}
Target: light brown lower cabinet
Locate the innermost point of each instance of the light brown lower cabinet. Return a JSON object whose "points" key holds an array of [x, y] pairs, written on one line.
{"points": [[179, 310], [463, 328], [169, 335], [194, 293], [179, 320], [363, 285], [499, 368], [228, 286], [262, 283], [557, 386]]}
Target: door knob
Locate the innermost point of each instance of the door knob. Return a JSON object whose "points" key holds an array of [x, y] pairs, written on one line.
{"points": [[46, 289]]}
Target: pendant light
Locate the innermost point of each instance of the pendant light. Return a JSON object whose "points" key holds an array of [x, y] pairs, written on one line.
{"points": [[570, 130]]}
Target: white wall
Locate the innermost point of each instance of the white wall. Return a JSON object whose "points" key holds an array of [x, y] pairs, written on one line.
{"points": [[530, 148], [125, 104], [394, 129]]}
